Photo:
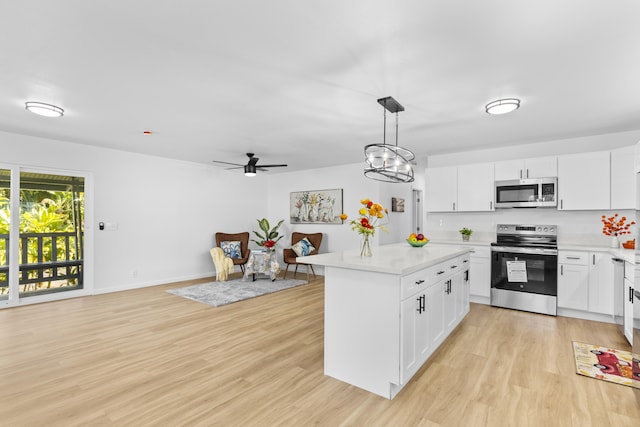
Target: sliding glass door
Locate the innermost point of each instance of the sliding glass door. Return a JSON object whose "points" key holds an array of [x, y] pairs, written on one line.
{"points": [[42, 223]]}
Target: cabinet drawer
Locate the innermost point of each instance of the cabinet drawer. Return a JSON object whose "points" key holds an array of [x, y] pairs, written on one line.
{"points": [[573, 258], [416, 282]]}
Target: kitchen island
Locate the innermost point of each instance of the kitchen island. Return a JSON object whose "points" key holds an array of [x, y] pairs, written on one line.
{"points": [[386, 314]]}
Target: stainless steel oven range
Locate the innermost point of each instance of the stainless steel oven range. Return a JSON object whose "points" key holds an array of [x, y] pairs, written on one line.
{"points": [[524, 268]]}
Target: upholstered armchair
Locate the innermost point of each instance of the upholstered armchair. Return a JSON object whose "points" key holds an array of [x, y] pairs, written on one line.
{"points": [[243, 238], [289, 256]]}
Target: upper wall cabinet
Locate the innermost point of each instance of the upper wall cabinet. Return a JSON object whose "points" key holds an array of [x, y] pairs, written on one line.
{"points": [[441, 189], [538, 167], [476, 187], [623, 180], [584, 181]]}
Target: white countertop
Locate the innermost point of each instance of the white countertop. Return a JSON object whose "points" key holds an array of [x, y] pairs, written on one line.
{"points": [[398, 258]]}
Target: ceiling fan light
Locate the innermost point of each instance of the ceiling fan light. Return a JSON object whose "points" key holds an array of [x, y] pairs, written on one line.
{"points": [[249, 170], [502, 106], [42, 109]]}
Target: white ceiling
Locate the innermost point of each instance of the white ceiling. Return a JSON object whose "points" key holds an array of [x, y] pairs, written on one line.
{"points": [[297, 81]]}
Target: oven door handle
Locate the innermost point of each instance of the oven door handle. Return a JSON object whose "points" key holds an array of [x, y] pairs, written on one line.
{"points": [[532, 251]]}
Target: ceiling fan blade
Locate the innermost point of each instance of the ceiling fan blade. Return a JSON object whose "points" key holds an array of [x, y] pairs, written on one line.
{"points": [[272, 166], [236, 167], [253, 161], [226, 163]]}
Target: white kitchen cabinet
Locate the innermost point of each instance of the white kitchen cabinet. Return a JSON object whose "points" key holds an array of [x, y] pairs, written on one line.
{"points": [[476, 187], [573, 280], [537, 167], [441, 189], [435, 311], [480, 272], [623, 179], [629, 279], [601, 286], [584, 181], [416, 343]]}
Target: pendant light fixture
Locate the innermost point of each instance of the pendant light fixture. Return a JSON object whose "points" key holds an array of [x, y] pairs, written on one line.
{"points": [[386, 162]]}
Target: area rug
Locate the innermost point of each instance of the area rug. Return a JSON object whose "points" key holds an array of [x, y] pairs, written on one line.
{"points": [[221, 293], [603, 363]]}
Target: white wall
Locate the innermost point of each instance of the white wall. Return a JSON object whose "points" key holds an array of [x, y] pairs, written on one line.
{"points": [[355, 188], [167, 211]]}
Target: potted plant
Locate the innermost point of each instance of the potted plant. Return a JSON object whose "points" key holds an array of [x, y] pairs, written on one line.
{"points": [[466, 233], [269, 236]]}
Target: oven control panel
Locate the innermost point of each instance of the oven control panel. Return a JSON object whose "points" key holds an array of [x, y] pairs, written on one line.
{"points": [[526, 229]]}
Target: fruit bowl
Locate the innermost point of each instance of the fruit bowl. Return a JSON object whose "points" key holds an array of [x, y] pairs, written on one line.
{"points": [[417, 244]]}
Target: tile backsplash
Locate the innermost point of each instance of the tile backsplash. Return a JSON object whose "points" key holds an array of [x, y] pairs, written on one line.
{"points": [[574, 227]]}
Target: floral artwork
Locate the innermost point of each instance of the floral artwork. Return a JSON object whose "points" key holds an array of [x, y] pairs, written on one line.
{"points": [[316, 207], [615, 226]]}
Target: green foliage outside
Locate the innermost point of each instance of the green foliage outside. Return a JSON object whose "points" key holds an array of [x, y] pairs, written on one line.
{"points": [[40, 212]]}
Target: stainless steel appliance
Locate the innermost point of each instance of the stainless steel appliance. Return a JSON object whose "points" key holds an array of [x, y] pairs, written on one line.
{"points": [[524, 268], [527, 193]]}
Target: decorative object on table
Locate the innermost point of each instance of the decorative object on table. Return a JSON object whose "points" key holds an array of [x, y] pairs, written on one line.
{"points": [[466, 233], [386, 162], [221, 293], [417, 240], [629, 244], [269, 236], [397, 204], [290, 255], [315, 207], [223, 264], [615, 226], [243, 238], [262, 262], [370, 216], [604, 363]]}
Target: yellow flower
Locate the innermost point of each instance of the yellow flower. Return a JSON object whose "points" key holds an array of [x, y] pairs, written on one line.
{"points": [[363, 211], [365, 201], [343, 216], [380, 215]]}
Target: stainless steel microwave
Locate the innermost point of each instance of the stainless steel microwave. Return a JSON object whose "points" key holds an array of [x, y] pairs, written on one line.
{"points": [[527, 193]]}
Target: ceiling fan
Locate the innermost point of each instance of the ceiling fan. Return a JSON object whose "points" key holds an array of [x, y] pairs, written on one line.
{"points": [[251, 167]]}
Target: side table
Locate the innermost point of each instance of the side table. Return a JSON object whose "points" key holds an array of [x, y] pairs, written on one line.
{"points": [[262, 262]]}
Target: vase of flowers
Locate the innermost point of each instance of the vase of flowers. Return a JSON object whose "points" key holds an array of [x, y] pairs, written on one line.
{"points": [[370, 217], [269, 236], [615, 226]]}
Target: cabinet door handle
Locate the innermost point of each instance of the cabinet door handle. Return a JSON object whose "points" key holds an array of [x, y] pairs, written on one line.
{"points": [[440, 272], [454, 266], [561, 270], [575, 257], [594, 259], [418, 282], [466, 260], [527, 173], [419, 309], [520, 173], [424, 302], [454, 206], [490, 205], [630, 294], [560, 203]]}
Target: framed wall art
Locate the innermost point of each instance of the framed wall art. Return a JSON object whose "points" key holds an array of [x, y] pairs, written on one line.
{"points": [[397, 204], [316, 207]]}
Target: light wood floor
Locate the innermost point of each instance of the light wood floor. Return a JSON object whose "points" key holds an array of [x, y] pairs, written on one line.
{"points": [[149, 358]]}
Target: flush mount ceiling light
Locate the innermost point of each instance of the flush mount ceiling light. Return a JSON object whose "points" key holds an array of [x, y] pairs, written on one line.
{"points": [[502, 106], [42, 109], [386, 162]]}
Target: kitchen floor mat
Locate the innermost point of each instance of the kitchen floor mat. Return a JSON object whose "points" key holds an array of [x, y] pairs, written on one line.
{"points": [[604, 363]]}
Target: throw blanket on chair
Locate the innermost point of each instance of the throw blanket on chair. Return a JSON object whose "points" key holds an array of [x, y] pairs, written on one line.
{"points": [[224, 264]]}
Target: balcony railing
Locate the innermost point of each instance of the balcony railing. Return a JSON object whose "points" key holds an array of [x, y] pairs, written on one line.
{"points": [[49, 262]]}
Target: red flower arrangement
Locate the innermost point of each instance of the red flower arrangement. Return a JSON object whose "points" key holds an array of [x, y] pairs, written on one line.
{"points": [[269, 243], [614, 226]]}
